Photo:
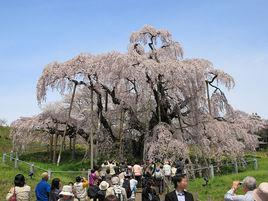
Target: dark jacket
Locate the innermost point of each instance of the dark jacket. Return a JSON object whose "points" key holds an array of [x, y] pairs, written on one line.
{"points": [[173, 197], [149, 194], [54, 195]]}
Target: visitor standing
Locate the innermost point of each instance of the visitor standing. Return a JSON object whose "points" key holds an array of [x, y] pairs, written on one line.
{"points": [[148, 193], [137, 170], [55, 190], [102, 192], [167, 175], [180, 193], [117, 190], [42, 189], [80, 188]]}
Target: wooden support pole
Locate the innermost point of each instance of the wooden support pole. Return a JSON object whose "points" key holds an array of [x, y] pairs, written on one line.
{"points": [[66, 125]]}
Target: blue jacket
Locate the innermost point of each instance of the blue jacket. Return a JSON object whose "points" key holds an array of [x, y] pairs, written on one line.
{"points": [[42, 191]]}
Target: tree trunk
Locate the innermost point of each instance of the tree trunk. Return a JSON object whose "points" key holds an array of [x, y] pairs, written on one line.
{"points": [[66, 125], [70, 143], [121, 129], [73, 149], [51, 147], [208, 97], [91, 133], [55, 148]]}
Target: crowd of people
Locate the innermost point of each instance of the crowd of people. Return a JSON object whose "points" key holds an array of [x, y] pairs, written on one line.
{"points": [[119, 182]]}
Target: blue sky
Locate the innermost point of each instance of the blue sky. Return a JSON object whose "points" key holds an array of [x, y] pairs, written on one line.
{"points": [[233, 34]]}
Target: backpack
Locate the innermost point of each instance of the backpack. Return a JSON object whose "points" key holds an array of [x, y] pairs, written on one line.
{"points": [[126, 186], [14, 196], [92, 191], [118, 193]]}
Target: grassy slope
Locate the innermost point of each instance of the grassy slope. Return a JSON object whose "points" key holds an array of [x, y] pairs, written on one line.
{"points": [[216, 188], [221, 184]]}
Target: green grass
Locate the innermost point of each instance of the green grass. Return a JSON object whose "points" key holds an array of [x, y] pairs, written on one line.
{"points": [[221, 184], [215, 189]]}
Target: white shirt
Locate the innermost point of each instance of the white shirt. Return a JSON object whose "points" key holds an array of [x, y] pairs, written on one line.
{"points": [[180, 196], [230, 196], [167, 169]]}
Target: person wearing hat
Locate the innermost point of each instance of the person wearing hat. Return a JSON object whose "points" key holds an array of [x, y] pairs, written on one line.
{"points": [[261, 193], [248, 184], [43, 188], [67, 194], [117, 190], [102, 192]]}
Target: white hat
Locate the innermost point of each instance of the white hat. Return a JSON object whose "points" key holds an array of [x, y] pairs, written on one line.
{"points": [[115, 180], [261, 193], [104, 185], [67, 190]]}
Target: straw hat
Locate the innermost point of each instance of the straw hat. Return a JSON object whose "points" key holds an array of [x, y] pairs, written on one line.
{"points": [[261, 193], [67, 190], [104, 185]]}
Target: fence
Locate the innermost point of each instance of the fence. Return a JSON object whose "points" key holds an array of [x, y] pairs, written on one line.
{"points": [[67, 176], [33, 170], [232, 167]]}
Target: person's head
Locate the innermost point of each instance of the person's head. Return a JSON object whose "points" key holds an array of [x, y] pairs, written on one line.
{"points": [[78, 179], [45, 176], [93, 170], [55, 184], [66, 192], [108, 171], [111, 198], [249, 184], [71, 183], [115, 180], [180, 182], [19, 180], [261, 193], [96, 168], [104, 185]]}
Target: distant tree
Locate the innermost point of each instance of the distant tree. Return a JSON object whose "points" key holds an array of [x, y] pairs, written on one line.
{"points": [[3, 122]]}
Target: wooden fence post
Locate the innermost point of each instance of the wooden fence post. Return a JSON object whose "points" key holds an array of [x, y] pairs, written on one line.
{"points": [[49, 173], [11, 155], [4, 158], [255, 164], [32, 168], [16, 163], [236, 167], [211, 171]]}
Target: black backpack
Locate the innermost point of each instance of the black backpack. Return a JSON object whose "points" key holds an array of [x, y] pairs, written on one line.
{"points": [[126, 186]]}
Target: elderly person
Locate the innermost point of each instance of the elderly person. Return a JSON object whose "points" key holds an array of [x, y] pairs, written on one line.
{"points": [[42, 189], [117, 190], [248, 184]]}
